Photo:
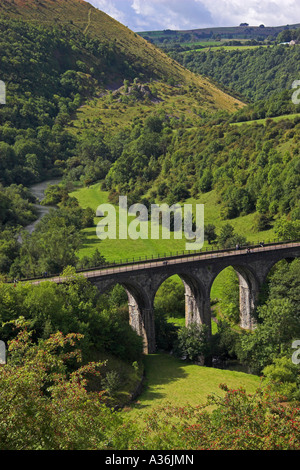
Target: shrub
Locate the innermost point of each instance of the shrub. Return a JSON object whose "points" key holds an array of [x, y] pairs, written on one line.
{"points": [[192, 342], [240, 421], [45, 408], [165, 332], [284, 378], [111, 382]]}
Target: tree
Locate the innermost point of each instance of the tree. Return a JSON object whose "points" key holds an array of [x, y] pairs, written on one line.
{"points": [[170, 298], [210, 233], [192, 342], [48, 408], [205, 183], [154, 124], [49, 249], [227, 237], [126, 84], [284, 378], [287, 229]]}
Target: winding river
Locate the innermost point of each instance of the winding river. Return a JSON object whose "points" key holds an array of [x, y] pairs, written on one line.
{"points": [[38, 190]]}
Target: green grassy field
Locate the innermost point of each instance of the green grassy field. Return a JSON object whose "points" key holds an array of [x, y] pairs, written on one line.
{"points": [[226, 48], [115, 250], [170, 380], [180, 322], [263, 121]]}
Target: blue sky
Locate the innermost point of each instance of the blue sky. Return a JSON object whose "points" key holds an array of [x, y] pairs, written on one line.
{"points": [[145, 15]]}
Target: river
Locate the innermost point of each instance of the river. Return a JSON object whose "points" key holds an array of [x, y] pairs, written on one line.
{"points": [[38, 190]]}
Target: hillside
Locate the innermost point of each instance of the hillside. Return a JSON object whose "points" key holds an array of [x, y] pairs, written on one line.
{"points": [[255, 73], [141, 57], [153, 137]]}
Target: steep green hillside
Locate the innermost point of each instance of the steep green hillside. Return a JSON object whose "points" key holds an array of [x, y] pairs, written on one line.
{"points": [[51, 64], [141, 56], [251, 167], [255, 73]]}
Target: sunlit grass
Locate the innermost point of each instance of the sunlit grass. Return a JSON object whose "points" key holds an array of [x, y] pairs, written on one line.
{"points": [[171, 380], [115, 250], [263, 121]]}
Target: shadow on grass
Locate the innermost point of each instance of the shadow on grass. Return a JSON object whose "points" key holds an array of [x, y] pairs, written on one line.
{"points": [[160, 370]]}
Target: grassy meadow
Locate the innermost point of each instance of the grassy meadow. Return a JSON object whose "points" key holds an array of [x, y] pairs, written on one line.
{"points": [[263, 121], [172, 381], [115, 250], [215, 48], [123, 250]]}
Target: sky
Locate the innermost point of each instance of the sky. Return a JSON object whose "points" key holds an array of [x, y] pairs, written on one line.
{"points": [[149, 15]]}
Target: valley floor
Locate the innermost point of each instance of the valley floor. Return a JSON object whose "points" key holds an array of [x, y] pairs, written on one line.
{"points": [[169, 380]]}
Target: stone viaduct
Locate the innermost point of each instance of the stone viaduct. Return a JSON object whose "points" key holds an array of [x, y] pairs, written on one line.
{"points": [[197, 271]]}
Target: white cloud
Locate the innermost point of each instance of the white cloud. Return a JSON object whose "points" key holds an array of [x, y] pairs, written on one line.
{"points": [[143, 15], [156, 14], [254, 12], [111, 8]]}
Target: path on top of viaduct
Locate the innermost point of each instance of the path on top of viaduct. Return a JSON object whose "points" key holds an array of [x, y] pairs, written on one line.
{"points": [[197, 271]]}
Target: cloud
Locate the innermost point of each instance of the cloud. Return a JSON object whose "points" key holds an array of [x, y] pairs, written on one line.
{"points": [[146, 15], [142, 15], [254, 12], [175, 14], [112, 8]]}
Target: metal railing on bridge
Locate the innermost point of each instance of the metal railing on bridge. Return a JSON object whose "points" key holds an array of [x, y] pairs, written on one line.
{"points": [[160, 259]]}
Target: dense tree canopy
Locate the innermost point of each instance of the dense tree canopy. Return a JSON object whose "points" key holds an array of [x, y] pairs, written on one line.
{"points": [[255, 73]]}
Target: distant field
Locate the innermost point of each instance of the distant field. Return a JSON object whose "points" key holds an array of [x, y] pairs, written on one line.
{"points": [[226, 48], [202, 43], [263, 121]]}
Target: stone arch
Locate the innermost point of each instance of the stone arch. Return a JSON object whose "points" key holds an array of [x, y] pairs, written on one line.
{"points": [[141, 315], [249, 286], [272, 263], [196, 310]]}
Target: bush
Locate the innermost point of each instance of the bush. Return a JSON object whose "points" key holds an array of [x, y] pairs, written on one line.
{"points": [[111, 382], [170, 298], [261, 222], [228, 238], [192, 342], [240, 421], [45, 408], [165, 332], [284, 378]]}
